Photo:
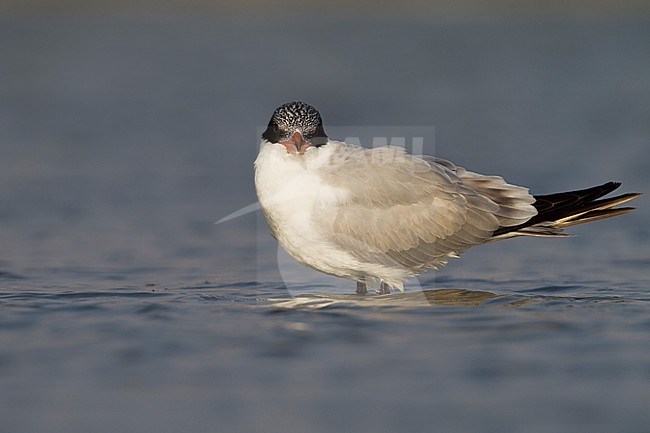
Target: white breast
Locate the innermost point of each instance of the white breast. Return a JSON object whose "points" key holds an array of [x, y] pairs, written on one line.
{"points": [[291, 190]]}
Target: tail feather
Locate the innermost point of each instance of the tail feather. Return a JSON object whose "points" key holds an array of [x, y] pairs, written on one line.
{"points": [[564, 209]]}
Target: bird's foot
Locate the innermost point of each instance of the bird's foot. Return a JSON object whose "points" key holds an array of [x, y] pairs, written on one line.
{"points": [[384, 289], [361, 288]]}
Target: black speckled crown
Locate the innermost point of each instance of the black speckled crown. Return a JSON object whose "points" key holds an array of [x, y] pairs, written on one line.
{"points": [[294, 116]]}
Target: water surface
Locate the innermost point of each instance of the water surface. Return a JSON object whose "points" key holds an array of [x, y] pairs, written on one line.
{"points": [[126, 135]]}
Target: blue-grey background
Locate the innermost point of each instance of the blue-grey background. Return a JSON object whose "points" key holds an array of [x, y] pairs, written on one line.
{"points": [[128, 129]]}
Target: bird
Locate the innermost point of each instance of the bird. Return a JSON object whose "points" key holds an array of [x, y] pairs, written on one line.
{"points": [[379, 216]]}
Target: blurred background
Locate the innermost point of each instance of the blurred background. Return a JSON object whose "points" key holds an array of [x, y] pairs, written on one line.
{"points": [[127, 128]]}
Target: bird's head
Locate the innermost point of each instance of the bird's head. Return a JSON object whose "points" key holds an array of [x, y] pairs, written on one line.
{"points": [[297, 126]]}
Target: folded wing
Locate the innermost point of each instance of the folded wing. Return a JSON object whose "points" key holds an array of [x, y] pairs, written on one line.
{"points": [[406, 211]]}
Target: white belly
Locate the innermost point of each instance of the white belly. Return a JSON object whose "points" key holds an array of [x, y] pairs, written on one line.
{"points": [[291, 192], [298, 201]]}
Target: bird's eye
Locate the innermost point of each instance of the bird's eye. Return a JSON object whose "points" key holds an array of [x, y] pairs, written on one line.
{"points": [[276, 127]]}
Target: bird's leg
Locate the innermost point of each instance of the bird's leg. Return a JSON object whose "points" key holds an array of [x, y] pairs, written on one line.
{"points": [[361, 288], [384, 289]]}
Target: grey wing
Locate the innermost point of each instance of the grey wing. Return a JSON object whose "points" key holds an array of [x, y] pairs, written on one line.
{"points": [[405, 211], [515, 202]]}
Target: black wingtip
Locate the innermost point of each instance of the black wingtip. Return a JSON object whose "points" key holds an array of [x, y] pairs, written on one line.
{"points": [[575, 207]]}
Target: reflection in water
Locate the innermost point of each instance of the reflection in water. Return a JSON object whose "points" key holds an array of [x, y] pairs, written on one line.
{"points": [[431, 297], [422, 298]]}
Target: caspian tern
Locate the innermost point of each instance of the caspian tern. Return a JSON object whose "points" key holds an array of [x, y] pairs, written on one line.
{"points": [[383, 215]]}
